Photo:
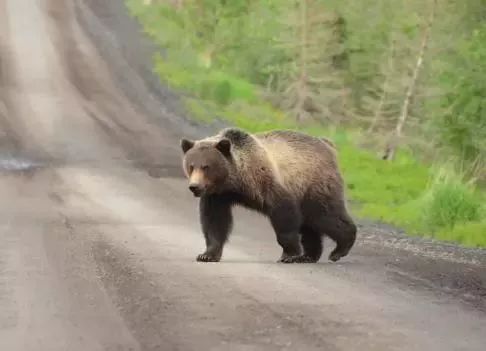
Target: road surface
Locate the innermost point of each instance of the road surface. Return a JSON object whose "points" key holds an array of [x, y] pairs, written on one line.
{"points": [[99, 234]]}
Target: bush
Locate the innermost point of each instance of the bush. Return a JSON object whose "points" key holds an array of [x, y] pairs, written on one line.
{"points": [[449, 202]]}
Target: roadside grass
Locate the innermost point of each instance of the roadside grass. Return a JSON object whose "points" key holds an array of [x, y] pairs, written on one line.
{"points": [[211, 85], [450, 200], [422, 199]]}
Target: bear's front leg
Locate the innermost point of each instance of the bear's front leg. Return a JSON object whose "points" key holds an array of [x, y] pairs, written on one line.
{"points": [[286, 219], [216, 222]]}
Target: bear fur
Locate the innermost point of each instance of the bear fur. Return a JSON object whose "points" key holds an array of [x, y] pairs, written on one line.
{"points": [[290, 177]]}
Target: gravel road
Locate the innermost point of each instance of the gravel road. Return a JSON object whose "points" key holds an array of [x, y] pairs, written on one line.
{"points": [[99, 234]]}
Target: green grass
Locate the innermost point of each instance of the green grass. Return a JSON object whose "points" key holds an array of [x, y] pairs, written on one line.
{"points": [[419, 198], [450, 201], [211, 85], [470, 234]]}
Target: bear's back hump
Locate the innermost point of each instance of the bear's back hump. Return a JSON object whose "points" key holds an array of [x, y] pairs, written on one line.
{"points": [[300, 159]]}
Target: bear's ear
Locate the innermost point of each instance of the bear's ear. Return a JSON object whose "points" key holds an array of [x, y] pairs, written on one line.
{"points": [[186, 145], [224, 146]]}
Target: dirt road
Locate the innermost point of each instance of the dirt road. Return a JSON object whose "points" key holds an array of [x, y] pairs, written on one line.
{"points": [[95, 254]]}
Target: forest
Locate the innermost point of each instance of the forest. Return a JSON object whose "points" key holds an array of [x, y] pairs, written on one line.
{"points": [[398, 85]]}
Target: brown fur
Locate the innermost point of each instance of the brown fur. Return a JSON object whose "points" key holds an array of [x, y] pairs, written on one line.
{"points": [[273, 172], [293, 160]]}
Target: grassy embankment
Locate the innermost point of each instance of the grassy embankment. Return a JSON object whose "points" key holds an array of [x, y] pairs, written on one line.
{"points": [[427, 200]]}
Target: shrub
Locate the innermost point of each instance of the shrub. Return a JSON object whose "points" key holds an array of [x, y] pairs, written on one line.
{"points": [[449, 201]]}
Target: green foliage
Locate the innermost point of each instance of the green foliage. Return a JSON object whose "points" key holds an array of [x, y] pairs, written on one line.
{"points": [[469, 234], [388, 192], [462, 123], [214, 85], [233, 60], [448, 208], [311, 78], [449, 201], [373, 180]]}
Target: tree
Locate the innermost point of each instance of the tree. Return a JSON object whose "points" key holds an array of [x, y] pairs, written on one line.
{"points": [[397, 133], [312, 74], [461, 124], [370, 64], [385, 88]]}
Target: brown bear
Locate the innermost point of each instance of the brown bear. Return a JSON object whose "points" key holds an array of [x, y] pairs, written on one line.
{"points": [[290, 177]]}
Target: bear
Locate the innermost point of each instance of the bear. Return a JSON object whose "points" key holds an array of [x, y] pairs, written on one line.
{"points": [[288, 176]]}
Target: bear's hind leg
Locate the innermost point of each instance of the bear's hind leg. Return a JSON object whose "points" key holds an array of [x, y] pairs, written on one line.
{"points": [[216, 221], [328, 215], [341, 229], [345, 238]]}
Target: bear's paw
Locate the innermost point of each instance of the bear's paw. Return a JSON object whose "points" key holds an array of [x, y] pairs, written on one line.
{"points": [[298, 259], [207, 258]]}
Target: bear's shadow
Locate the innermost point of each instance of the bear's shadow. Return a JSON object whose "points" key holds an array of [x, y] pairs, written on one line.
{"points": [[320, 263]]}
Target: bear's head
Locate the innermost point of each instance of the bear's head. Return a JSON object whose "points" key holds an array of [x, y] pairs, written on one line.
{"points": [[206, 165]]}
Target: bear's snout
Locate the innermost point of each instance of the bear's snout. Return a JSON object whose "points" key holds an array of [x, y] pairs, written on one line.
{"points": [[196, 189]]}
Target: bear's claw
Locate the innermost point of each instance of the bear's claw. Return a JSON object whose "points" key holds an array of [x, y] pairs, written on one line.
{"points": [[207, 258], [336, 255], [298, 259]]}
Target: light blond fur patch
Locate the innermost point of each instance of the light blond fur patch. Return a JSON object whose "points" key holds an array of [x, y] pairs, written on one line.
{"points": [[271, 161], [197, 177]]}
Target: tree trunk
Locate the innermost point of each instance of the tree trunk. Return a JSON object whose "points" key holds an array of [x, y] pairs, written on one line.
{"points": [[302, 82], [383, 97], [394, 140]]}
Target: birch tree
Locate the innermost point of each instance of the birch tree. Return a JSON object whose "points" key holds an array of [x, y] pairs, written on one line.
{"points": [[396, 135]]}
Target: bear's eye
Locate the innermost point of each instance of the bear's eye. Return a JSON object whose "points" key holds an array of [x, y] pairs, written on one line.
{"points": [[205, 167], [191, 168]]}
